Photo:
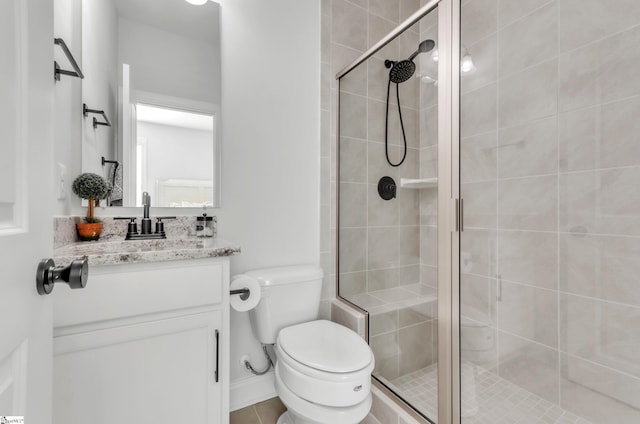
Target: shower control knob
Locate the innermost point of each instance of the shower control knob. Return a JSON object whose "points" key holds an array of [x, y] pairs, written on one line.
{"points": [[75, 274], [387, 188]]}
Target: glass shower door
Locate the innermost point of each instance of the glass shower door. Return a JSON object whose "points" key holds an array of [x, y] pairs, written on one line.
{"points": [[550, 252], [387, 215]]}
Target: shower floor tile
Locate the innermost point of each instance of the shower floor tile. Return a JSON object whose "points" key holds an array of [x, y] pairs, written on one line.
{"points": [[491, 400]]}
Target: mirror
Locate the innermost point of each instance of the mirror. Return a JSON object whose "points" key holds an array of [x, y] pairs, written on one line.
{"points": [[153, 68]]}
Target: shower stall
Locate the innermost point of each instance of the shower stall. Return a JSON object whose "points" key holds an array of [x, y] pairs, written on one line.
{"points": [[488, 209]]}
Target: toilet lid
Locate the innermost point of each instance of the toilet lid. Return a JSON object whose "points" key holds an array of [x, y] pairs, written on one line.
{"points": [[326, 346]]}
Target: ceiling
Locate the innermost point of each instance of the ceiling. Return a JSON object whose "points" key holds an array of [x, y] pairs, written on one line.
{"points": [[176, 16], [174, 117]]}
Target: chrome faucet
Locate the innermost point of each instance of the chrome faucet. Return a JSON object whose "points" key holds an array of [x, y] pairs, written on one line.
{"points": [[145, 234]]}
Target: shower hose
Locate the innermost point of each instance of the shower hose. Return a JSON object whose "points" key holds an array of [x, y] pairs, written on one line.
{"points": [[386, 127]]}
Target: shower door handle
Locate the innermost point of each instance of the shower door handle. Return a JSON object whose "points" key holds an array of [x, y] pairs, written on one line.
{"points": [[456, 211], [461, 215]]}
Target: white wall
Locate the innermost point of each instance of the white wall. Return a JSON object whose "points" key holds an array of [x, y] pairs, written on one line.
{"points": [[170, 64], [67, 24], [100, 84], [271, 142]]}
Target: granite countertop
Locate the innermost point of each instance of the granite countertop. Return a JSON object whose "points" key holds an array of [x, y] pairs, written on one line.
{"points": [[138, 251]]}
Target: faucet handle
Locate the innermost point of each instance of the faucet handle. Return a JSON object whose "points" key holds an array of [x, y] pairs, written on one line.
{"points": [[146, 199], [160, 224], [132, 227]]}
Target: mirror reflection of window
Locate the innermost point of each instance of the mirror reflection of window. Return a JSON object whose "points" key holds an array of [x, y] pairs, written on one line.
{"points": [[183, 136]]}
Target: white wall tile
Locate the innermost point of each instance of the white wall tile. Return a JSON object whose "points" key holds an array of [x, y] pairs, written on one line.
{"points": [[601, 72], [485, 57], [530, 40], [530, 149], [601, 394], [352, 197], [509, 10], [601, 202], [529, 365], [603, 267], [382, 247], [586, 21], [480, 204], [529, 312], [602, 332], [479, 157], [529, 257], [529, 203], [479, 19], [529, 95], [478, 111], [349, 25], [353, 160]]}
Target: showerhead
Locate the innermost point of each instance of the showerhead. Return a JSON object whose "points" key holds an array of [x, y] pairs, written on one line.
{"points": [[402, 70], [424, 47]]}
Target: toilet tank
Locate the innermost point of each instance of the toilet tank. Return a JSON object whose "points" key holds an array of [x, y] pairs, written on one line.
{"points": [[290, 295]]}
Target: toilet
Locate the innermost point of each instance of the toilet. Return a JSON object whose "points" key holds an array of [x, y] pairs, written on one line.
{"points": [[323, 369]]}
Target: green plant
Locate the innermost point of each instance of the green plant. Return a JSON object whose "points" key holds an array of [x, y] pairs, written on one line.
{"points": [[91, 187]]}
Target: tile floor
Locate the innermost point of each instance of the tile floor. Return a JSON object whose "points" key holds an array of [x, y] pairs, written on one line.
{"points": [[265, 412], [490, 400]]}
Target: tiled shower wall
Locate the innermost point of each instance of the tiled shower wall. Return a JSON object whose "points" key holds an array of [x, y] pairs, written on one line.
{"points": [[387, 247], [550, 169], [348, 29]]}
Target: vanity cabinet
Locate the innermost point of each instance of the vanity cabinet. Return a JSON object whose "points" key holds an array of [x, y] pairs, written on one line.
{"points": [[144, 343]]}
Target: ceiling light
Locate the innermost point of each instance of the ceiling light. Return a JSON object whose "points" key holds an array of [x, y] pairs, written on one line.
{"points": [[197, 2]]}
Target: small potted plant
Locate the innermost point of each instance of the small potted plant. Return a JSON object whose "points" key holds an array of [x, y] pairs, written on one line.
{"points": [[91, 187]]}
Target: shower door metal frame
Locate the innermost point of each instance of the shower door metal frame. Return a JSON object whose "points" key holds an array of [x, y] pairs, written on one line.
{"points": [[450, 222], [449, 203]]}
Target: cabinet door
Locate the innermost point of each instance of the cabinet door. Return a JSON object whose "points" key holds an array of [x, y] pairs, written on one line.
{"points": [[161, 371]]}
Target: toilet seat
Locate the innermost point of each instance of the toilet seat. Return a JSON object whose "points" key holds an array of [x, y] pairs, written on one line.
{"points": [[306, 353], [312, 412], [325, 346]]}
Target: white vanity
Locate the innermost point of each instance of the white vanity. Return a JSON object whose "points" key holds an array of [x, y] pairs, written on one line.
{"points": [[145, 342]]}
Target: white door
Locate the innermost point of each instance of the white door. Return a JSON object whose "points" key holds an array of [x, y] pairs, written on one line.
{"points": [[26, 200]]}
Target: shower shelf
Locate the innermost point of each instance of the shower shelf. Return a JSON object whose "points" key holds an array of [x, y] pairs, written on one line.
{"points": [[418, 183]]}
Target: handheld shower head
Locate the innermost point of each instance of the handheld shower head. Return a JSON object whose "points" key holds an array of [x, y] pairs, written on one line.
{"points": [[424, 47], [402, 70]]}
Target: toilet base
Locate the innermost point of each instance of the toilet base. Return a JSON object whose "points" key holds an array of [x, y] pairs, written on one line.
{"points": [[300, 411], [288, 418]]}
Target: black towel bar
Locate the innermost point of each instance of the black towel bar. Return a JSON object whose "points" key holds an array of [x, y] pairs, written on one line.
{"points": [[86, 111], [56, 68]]}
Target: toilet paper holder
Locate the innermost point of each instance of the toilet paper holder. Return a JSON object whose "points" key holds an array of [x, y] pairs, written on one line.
{"points": [[244, 293]]}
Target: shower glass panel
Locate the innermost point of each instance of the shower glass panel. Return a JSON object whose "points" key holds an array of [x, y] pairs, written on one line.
{"points": [[387, 233], [550, 252]]}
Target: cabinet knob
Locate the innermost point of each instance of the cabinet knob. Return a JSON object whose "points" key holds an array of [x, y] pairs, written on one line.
{"points": [[74, 274]]}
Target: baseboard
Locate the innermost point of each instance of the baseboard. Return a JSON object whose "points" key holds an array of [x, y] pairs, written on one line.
{"points": [[251, 390]]}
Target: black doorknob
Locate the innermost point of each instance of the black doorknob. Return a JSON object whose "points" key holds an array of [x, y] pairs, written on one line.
{"points": [[75, 274]]}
